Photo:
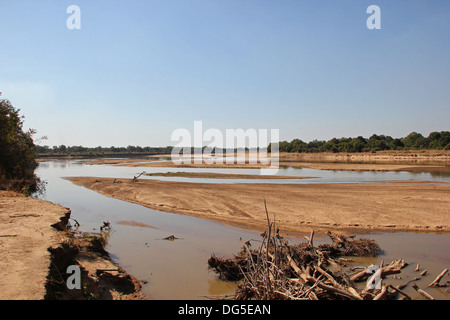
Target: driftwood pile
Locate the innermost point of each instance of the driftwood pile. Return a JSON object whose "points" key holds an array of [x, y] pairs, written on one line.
{"points": [[277, 270]]}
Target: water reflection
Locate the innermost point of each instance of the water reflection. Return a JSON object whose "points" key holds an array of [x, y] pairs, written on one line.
{"points": [[323, 176]]}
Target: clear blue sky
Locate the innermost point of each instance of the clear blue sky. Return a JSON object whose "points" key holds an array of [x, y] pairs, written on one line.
{"points": [[137, 70]]}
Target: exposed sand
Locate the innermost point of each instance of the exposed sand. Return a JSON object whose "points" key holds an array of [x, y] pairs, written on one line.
{"points": [[26, 236], [209, 175], [365, 166], [170, 164], [309, 165], [406, 161], [297, 208], [401, 156], [116, 161]]}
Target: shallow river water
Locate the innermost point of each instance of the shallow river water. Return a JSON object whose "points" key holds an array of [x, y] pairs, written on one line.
{"points": [[178, 269]]}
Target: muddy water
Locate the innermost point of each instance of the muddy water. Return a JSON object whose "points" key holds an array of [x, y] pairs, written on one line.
{"points": [[178, 269], [173, 269], [430, 251]]}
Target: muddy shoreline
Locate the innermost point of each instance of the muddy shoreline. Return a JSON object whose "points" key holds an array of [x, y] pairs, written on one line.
{"points": [[37, 248]]}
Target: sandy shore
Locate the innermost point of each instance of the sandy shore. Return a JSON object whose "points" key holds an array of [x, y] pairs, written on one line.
{"points": [[34, 241], [298, 164], [401, 156], [380, 167], [170, 164], [427, 161], [25, 235], [208, 175], [309, 165], [297, 208]]}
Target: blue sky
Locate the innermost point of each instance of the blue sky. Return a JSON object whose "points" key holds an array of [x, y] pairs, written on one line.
{"points": [[138, 70]]}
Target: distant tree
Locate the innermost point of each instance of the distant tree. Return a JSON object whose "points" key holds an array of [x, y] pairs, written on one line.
{"points": [[438, 140], [284, 146], [139, 149], [358, 144], [42, 149], [297, 145], [131, 149], [414, 141], [396, 144], [316, 146], [444, 140], [331, 145], [17, 152]]}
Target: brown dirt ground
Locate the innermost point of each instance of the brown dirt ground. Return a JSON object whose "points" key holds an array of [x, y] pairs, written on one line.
{"points": [[297, 208], [27, 235]]}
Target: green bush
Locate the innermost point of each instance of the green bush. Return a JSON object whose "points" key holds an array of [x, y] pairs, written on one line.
{"points": [[17, 155]]}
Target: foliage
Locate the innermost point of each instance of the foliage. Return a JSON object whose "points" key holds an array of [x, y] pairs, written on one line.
{"points": [[17, 156], [413, 141], [80, 150]]}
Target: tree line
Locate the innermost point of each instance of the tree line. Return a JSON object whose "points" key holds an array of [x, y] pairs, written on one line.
{"points": [[413, 141], [18, 151], [80, 150]]}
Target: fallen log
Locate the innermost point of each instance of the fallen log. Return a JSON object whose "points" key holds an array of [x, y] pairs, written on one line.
{"points": [[436, 281], [423, 293], [408, 282], [406, 296], [381, 295], [279, 270]]}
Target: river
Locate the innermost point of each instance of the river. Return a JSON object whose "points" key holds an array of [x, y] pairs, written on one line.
{"points": [[178, 269]]}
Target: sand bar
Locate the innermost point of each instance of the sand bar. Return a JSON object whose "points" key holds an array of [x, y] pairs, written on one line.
{"points": [[400, 165], [378, 167], [298, 208], [212, 175]]}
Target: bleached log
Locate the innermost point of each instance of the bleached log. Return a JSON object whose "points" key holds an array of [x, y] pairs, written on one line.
{"points": [[382, 293], [405, 295], [423, 293], [435, 283]]}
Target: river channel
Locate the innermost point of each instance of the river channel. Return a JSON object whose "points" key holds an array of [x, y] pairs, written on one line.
{"points": [[178, 269]]}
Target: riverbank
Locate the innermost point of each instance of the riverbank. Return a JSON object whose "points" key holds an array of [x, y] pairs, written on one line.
{"points": [[338, 166], [374, 167], [359, 208], [412, 161], [400, 156], [36, 249]]}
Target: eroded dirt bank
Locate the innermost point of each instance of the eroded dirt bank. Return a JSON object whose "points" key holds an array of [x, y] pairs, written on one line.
{"points": [[36, 248], [297, 208]]}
